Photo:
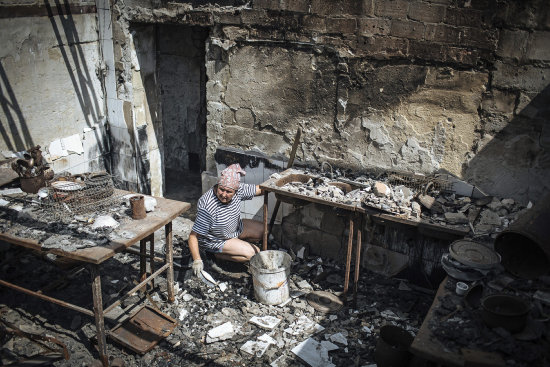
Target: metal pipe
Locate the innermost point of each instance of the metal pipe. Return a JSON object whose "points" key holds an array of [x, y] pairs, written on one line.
{"points": [[348, 256], [357, 259], [264, 246], [47, 298], [169, 261], [152, 257]]}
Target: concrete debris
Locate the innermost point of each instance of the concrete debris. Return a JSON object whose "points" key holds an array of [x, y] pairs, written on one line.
{"points": [[381, 189], [182, 314], [259, 346], [219, 333], [105, 221], [329, 346], [456, 218], [389, 315], [304, 285], [303, 326], [338, 338], [460, 208], [313, 353], [265, 322]]}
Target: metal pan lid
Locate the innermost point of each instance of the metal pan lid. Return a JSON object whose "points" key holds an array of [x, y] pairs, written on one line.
{"points": [[474, 254]]}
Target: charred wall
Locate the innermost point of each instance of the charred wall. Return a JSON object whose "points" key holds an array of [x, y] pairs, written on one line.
{"points": [[417, 85]]}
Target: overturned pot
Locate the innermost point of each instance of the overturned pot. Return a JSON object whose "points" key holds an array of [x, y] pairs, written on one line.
{"points": [[392, 347], [506, 311]]}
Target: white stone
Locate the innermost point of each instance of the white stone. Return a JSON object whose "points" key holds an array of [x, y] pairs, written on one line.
{"points": [[187, 297], [265, 322], [259, 346], [105, 221], [150, 203], [339, 338], [222, 332], [182, 314], [303, 326], [313, 353], [328, 345], [222, 286], [304, 285]]}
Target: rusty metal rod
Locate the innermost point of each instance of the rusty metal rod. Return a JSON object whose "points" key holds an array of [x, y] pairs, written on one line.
{"points": [[47, 298], [136, 288], [357, 259], [169, 261], [288, 165], [264, 245], [142, 255], [348, 256], [152, 257], [160, 259]]}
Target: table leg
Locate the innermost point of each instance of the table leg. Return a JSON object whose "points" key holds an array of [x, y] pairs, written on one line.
{"points": [[264, 245], [98, 313], [357, 259], [152, 257], [169, 261], [142, 259], [348, 256]]}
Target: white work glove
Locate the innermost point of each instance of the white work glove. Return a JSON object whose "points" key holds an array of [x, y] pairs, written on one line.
{"points": [[197, 267]]}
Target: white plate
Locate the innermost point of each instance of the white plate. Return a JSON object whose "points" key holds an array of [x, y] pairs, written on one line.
{"points": [[66, 185]]}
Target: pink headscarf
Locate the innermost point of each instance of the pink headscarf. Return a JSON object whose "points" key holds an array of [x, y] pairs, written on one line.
{"points": [[231, 176]]}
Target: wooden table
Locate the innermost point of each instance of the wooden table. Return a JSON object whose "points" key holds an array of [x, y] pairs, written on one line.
{"points": [[141, 230], [426, 345], [355, 214]]}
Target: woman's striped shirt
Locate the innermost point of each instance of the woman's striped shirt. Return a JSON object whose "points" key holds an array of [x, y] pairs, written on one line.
{"points": [[217, 222]]}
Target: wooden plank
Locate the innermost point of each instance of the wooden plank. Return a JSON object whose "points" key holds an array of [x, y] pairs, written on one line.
{"points": [[424, 344]]}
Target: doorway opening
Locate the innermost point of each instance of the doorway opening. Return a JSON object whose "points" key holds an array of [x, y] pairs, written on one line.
{"points": [[181, 75]]}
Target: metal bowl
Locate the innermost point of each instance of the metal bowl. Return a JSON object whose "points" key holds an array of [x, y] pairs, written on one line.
{"points": [[506, 311]]}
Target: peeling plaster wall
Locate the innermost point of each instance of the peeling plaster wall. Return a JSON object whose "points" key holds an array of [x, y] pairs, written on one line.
{"points": [[50, 86], [423, 86]]}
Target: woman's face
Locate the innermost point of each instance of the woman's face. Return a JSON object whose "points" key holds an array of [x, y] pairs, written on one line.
{"points": [[224, 194]]}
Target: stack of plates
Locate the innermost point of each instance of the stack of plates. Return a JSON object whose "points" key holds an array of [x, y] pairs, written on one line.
{"points": [[469, 260]]}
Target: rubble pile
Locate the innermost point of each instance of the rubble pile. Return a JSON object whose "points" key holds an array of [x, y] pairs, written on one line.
{"points": [[433, 203], [223, 324]]}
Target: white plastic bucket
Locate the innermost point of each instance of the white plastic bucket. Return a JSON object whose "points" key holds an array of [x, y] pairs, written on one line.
{"points": [[270, 271]]}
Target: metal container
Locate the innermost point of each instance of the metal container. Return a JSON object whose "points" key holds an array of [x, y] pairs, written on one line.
{"points": [[504, 310], [137, 204], [270, 271], [31, 185], [525, 245]]}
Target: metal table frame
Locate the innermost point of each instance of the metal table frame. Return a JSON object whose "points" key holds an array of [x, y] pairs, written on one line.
{"points": [[93, 257]]}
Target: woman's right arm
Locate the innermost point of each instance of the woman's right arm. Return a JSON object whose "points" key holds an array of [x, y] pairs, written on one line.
{"points": [[193, 243]]}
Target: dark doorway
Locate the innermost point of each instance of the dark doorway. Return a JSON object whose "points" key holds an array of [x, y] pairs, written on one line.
{"points": [[182, 78]]}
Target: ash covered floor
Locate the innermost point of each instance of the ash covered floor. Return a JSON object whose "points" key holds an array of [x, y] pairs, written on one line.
{"points": [[200, 308]]}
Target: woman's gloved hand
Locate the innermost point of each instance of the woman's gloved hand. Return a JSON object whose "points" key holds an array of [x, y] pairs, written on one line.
{"points": [[197, 267]]}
